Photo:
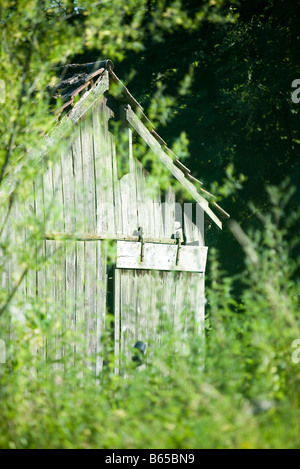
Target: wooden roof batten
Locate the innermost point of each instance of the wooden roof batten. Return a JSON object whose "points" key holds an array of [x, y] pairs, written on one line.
{"points": [[144, 133], [144, 127]]}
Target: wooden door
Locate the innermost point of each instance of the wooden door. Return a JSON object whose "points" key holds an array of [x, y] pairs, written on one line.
{"points": [[154, 295]]}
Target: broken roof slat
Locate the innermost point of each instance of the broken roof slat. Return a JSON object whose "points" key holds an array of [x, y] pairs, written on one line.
{"points": [[132, 100], [207, 193], [221, 210], [87, 83], [193, 179], [67, 104], [180, 165], [74, 76]]}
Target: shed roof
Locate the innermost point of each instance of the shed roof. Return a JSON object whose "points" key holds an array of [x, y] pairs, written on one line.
{"points": [[76, 79]]}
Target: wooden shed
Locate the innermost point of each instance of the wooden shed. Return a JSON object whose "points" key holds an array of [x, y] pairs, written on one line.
{"points": [[98, 189]]}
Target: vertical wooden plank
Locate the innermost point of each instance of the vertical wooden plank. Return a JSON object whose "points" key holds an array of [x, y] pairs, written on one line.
{"points": [[198, 290], [88, 170], [129, 308], [130, 152], [48, 199], [68, 189], [187, 311], [149, 199], [144, 204], [188, 226], [154, 312], [194, 232], [56, 273], [101, 286], [90, 303], [79, 306], [79, 206], [158, 215], [49, 246], [179, 218], [16, 245], [128, 317], [140, 309], [123, 317], [129, 204], [100, 169], [146, 198], [41, 257], [140, 327], [60, 303], [117, 191], [39, 201], [4, 269], [169, 299], [58, 206], [31, 286], [124, 189], [132, 206], [197, 306], [71, 302], [178, 312], [108, 165], [10, 265], [200, 312], [50, 298], [117, 315], [133, 312], [67, 263], [169, 213], [152, 200]]}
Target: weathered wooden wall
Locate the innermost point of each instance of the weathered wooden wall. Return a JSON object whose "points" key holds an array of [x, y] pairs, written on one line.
{"points": [[84, 182], [150, 304], [81, 193]]}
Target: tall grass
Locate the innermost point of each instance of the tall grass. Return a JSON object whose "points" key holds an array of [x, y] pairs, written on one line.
{"points": [[246, 395]]}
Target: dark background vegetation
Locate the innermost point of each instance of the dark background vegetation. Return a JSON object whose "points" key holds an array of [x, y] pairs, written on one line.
{"points": [[238, 109]]}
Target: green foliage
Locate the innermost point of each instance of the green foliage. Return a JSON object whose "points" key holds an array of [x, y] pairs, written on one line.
{"points": [[247, 394], [238, 109]]}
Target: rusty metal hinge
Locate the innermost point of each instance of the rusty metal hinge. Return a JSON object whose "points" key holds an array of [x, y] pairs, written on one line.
{"points": [[178, 239], [141, 240]]}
